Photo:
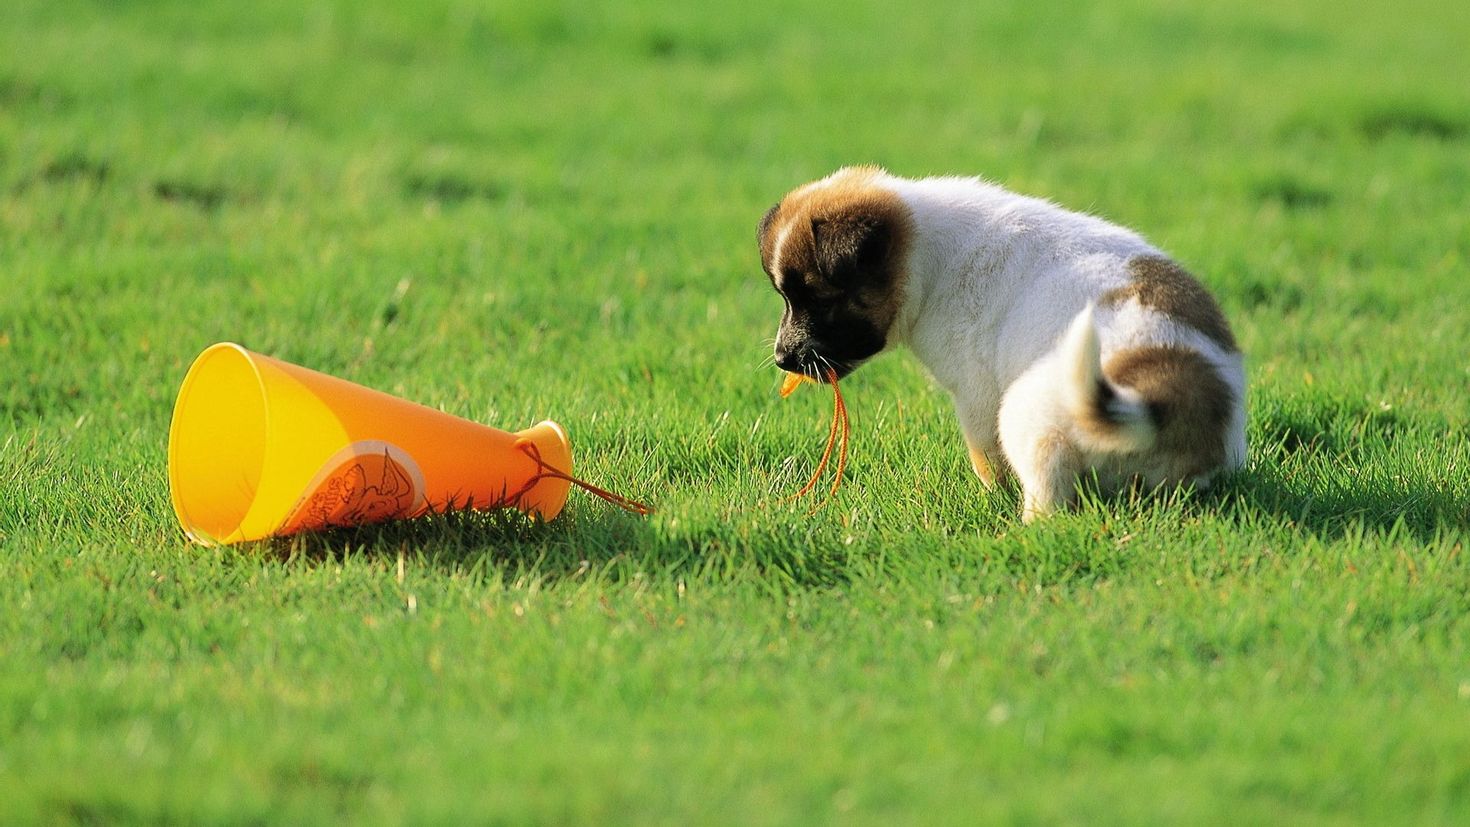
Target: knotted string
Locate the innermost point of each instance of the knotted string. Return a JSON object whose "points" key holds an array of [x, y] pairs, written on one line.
{"points": [[545, 471]]}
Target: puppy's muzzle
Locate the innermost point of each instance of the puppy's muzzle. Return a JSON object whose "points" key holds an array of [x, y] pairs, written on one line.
{"points": [[793, 361], [811, 363]]}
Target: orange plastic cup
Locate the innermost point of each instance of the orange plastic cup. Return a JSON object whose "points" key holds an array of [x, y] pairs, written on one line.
{"points": [[260, 448]]}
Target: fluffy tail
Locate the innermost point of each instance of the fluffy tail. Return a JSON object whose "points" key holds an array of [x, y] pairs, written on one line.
{"points": [[1109, 418]]}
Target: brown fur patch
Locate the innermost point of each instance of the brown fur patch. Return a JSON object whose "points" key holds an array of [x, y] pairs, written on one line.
{"points": [[1162, 285], [1188, 399], [807, 234]]}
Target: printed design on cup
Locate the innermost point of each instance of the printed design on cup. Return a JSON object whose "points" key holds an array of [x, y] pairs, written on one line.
{"points": [[365, 482]]}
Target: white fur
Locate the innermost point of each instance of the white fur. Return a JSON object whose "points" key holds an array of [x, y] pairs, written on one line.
{"points": [[995, 282], [776, 272]]}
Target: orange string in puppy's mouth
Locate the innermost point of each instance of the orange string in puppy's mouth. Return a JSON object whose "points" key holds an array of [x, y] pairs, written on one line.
{"points": [[838, 436]]}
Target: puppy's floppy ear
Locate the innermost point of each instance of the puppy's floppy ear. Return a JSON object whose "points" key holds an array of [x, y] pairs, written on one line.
{"points": [[852, 248]]}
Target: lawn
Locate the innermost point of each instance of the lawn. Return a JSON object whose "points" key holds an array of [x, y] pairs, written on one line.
{"points": [[519, 211]]}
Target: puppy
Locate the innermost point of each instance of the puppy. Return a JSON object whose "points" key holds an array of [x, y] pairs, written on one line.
{"points": [[1071, 346]]}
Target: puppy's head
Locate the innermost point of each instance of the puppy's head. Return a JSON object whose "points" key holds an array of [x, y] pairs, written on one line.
{"points": [[834, 250]]}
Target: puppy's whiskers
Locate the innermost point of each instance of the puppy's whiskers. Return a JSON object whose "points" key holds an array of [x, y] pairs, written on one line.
{"points": [[825, 365], [768, 354]]}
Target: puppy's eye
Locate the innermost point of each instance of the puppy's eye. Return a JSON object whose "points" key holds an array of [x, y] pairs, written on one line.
{"points": [[792, 284], [811, 287], [825, 293]]}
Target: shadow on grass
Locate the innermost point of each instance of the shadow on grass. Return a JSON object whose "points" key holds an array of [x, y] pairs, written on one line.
{"points": [[1332, 512], [450, 538], [590, 538], [1330, 466], [796, 554]]}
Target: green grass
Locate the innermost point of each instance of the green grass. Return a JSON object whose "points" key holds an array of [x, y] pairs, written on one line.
{"points": [[549, 211]]}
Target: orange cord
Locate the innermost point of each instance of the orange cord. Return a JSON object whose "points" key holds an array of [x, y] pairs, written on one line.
{"points": [[838, 436], [841, 424], [545, 471], [838, 403]]}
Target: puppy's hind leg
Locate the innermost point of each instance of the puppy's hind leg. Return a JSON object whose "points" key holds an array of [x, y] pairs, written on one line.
{"points": [[1034, 434], [1051, 481], [983, 443]]}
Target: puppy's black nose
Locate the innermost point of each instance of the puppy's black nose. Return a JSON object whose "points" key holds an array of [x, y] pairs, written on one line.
{"points": [[788, 360]]}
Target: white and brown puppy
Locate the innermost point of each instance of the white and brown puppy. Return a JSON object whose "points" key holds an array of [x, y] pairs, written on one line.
{"points": [[1070, 345]]}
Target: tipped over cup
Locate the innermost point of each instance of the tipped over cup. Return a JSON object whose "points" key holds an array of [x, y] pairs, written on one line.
{"points": [[261, 448]]}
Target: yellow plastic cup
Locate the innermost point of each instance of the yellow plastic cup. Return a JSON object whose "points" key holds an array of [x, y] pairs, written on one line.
{"points": [[261, 448]]}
